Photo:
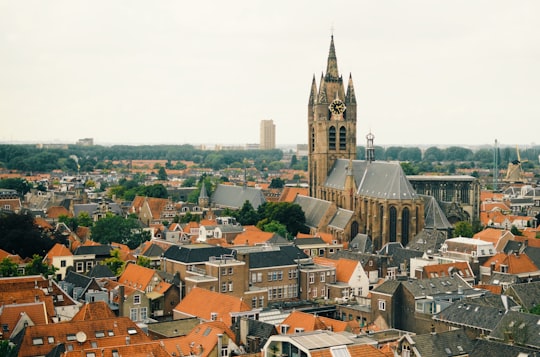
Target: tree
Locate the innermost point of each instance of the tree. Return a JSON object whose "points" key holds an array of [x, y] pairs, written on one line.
{"points": [[38, 267], [115, 263], [276, 227], [162, 174], [247, 215], [8, 268], [143, 261], [408, 168], [515, 231], [277, 183], [463, 229], [7, 349], [121, 230], [20, 185], [19, 235], [286, 213]]}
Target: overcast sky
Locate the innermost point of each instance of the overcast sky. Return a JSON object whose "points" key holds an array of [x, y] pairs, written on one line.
{"points": [[463, 72]]}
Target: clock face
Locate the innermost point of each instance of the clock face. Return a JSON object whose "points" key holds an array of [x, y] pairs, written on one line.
{"points": [[337, 106]]}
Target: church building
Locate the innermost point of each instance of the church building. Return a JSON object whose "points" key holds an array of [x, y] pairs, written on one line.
{"points": [[366, 197]]}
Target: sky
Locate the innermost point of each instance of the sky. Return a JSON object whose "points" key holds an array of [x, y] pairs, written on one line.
{"points": [[425, 72]]}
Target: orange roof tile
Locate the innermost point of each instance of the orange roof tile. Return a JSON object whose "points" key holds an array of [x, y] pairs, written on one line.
{"points": [[11, 314], [354, 350], [94, 311], [309, 322], [42, 223], [200, 341], [57, 211], [137, 276], [252, 237], [214, 302], [516, 263], [58, 250], [495, 289], [153, 348], [15, 258], [447, 269], [289, 193]]}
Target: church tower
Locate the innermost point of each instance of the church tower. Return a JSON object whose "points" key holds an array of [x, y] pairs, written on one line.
{"points": [[331, 124]]}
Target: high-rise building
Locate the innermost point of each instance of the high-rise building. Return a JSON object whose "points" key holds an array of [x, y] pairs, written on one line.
{"points": [[268, 135]]}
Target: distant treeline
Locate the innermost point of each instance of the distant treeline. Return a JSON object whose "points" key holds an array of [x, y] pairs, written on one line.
{"points": [[29, 158]]}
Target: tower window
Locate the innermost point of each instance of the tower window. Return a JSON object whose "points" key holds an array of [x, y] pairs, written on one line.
{"points": [[342, 138], [332, 138]]}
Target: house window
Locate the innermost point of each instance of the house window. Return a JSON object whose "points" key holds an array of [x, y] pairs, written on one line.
{"points": [[223, 271], [79, 267], [311, 278], [323, 278], [293, 274], [254, 302], [71, 337], [261, 301], [230, 286], [133, 314], [224, 287], [224, 352], [144, 313], [89, 265], [137, 299], [230, 271], [314, 292], [406, 351], [50, 339], [259, 277], [100, 334], [382, 305], [93, 344], [63, 263], [37, 341], [213, 316]]}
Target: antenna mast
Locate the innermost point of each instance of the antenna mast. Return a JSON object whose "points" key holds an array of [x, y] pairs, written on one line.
{"points": [[495, 166]]}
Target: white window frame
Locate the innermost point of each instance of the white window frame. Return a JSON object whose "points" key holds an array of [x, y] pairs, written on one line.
{"points": [[382, 305]]}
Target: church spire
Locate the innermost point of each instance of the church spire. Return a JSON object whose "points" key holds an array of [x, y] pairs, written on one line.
{"points": [[322, 92], [313, 92], [331, 67], [350, 97]]}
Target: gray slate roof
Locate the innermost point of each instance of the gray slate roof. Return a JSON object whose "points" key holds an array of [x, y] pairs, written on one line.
{"points": [[90, 208], [314, 209], [362, 243], [472, 314], [524, 328], [197, 253], [373, 179], [490, 348], [236, 196], [434, 216], [389, 287], [435, 286], [341, 219], [448, 343], [428, 241], [98, 250], [101, 271], [268, 259], [527, 294]]}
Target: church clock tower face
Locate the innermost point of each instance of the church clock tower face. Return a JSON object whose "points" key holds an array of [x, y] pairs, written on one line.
{"points": [[337, 107]]}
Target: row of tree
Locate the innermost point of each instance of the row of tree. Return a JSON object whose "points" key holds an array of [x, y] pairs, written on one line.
{"points": [[75, 158]]}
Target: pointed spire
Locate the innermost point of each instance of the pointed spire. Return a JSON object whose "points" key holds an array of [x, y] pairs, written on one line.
{"points": [[322, 92], [331, 67], [350, 97], [203, 193], [313, 92]]}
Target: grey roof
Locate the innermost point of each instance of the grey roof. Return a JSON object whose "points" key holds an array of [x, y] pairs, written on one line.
{"points": [[309, 241], [98, 250], [389, 248], [527, 294], [256, 328], [534, 254], [428, 241], [362, 243], [101, 271], [471, 313], [154, 251], [447, 343], [420, 288], [293, 252], [268, 259], [314, 209], [402, 255], [230, 228], [341, 218], [522, 201], [498, 278], [374, 179], [388, 287], [90, 208], [490, 348], [524, 328], [278, 240], [513, 246], [236, 196], [433, 178], [77, 280], [434, 216], [196, 253]]}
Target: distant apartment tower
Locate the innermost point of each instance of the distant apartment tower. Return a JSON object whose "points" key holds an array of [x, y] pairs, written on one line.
{"points": [[268, 135], [85, 142]]}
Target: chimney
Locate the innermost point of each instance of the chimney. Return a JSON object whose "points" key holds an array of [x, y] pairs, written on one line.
{"points": [[121, 300]]}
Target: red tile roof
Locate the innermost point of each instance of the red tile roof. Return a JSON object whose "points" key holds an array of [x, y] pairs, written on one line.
{"points": [[516, 264], [11, 314], [221, 304], [137, 276], [354, 350], [97, 310], [309, 322]]}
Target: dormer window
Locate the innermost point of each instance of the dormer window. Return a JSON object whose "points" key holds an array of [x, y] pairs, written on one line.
{"points": [[504, 268]]}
